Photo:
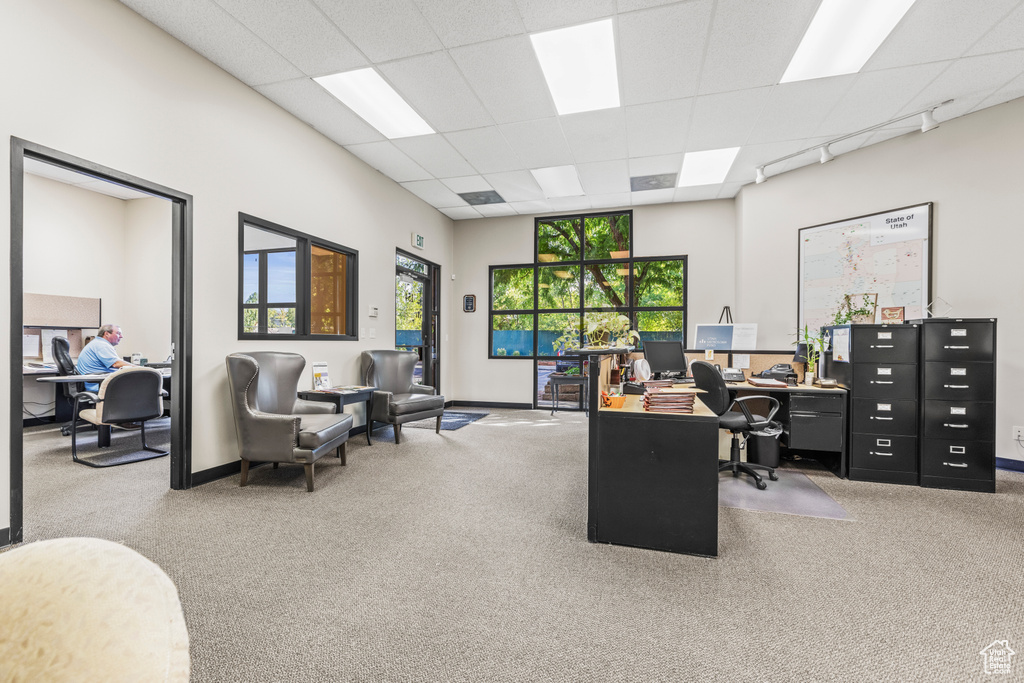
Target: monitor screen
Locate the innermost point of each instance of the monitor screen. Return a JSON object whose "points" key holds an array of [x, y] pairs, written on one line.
{"points": [[665, 357]]}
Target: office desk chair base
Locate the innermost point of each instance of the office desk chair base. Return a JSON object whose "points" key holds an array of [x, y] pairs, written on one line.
{"points": [[114, 459], [735, 465]]}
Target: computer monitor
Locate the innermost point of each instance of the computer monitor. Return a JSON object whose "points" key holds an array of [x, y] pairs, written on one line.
{"points": [[666, 357]]}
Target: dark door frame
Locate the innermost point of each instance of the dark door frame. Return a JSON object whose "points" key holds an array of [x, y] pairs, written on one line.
{"points": [[181, 314], [431, 316]]}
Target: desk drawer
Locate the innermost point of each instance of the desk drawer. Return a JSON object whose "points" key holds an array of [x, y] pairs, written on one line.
{"points": [[959, 340], [884, 416], [816, 403], [960, 420], [885, 380], [964, 381], [809, 432], [873, 452], [891, 344], [959, 459]]}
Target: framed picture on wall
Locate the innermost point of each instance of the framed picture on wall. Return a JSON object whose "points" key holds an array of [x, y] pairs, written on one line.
{"points": [[887, 254], [469, 303]]}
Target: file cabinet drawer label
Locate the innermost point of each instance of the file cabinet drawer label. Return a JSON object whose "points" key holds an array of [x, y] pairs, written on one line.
{"points": [[954, 410], [884, 407], [885, 335], [958, 332], [956, 421], [883, 419], [958, 372], [887, 372], [959, 341], [963, 381], [894, 454]]}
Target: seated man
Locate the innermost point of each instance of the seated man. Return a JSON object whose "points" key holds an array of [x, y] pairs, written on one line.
{"points": [[99, 356]]}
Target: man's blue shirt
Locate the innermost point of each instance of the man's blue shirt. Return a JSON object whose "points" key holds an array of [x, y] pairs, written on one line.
{"points": [[97, 357]]}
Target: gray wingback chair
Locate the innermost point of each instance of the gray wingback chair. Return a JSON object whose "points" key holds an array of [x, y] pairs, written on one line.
{"points": [[398, 399], [274, 425]]}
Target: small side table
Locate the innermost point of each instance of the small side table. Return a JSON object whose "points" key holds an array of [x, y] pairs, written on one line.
{"points": [[340, 400], [560, 380]]}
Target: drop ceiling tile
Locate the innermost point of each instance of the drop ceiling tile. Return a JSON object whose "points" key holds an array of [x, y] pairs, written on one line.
{"points": [[314, 105], [596, 135], [609, 201], [489, 210], [300, 32], [436, 89], [434, 193], [1008, 34], [751, 43], [206, 28], [971, 77], [794, 109], [664, 163], [697, 193], [539, 143], [652, 196], [933, 30], [604, 177], [633, 5], [660, 51], [484, 148], [725, 119], [461, 22], [578, 203], [541, 15], [507, 78], [460, 213], [515, 186], [730, 190], [658, 127], [383, 29], [472, 183], [876, 97], [532, 207], [1010, 91], [434, 154], [389, 160]]}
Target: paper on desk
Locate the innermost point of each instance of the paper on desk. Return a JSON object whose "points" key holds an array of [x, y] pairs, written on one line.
{"points": [[29, 346], [741, 360], [48, 336]]}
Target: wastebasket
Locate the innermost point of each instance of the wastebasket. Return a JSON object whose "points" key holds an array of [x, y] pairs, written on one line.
{"points": [[763, 448]]}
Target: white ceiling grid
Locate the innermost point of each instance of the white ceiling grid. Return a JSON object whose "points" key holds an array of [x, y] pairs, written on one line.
{"points": [[693, 75]]}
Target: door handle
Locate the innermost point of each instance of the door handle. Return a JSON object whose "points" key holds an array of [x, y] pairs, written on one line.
{"points": [[961, 465]]}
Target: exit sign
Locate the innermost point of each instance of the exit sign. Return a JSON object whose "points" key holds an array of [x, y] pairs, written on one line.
{"points": [[417, 240]]}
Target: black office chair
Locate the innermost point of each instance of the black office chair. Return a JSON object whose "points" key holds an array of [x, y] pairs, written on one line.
{"points": [[715, 396], [66, 366]]}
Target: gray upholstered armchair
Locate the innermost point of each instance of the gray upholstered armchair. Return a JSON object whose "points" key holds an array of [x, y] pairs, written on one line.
{"points": [[398, 399], [272, 424]]}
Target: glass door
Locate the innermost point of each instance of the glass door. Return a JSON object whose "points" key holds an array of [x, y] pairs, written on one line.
{"points": [[417, 313]]}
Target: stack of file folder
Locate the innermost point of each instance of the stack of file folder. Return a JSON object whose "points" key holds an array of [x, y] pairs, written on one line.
{"points": [[661, 400]]}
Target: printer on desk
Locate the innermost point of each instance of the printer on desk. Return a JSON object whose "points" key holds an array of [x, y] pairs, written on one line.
{"points": [[782, 372]]}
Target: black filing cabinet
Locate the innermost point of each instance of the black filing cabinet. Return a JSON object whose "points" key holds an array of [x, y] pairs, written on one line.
{"points": [[958, 414], [881, 374]]}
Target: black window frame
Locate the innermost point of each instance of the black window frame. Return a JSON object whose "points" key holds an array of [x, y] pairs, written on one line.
{"points": [[303, 283]]}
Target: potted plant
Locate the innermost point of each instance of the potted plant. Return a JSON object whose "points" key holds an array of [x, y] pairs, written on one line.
{"points": [[610, 329], [815, 344], [862, 312]]}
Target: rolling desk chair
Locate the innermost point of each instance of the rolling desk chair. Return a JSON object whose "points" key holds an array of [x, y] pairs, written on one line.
{"points": [[66, 366], [708, 379]]}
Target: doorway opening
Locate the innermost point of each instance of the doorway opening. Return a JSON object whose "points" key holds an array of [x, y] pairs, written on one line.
{"points": [[417, 314], [36, 157]]}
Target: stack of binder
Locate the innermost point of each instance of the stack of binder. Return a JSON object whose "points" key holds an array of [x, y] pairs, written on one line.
{"points": [[658, 383], [660, 400]]}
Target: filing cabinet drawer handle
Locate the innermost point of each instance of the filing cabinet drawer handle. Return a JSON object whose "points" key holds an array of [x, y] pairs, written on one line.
{"points": [[873, 417], [881, 346], [878, 381], [955, 426], [957, 347], [889, 455], [956, 386], [961, 465]]}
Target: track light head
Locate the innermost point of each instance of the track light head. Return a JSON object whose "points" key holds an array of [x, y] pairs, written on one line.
{"points": [[826, 155], [761, 177], [928, 121]]}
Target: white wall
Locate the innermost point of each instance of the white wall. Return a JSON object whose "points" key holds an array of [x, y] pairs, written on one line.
{"points": [[971, 168], [146, 280], [111, 88], [704, 231]]}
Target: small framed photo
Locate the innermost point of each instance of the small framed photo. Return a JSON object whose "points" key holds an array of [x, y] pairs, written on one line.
{"points": [[469, 303], [892, 315]]}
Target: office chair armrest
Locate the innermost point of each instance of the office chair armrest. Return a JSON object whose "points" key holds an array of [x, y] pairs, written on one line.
{"points": [[757, 424], [164, 393], [422, 389]]}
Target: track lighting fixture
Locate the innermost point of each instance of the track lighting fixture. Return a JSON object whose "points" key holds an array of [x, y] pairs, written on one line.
{"points": [[826, 156], [928, 121], [761, 177]]}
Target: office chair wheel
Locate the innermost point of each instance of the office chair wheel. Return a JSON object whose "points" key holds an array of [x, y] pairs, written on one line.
{"points": [[761, 486], [65, 431], [773, 476]]}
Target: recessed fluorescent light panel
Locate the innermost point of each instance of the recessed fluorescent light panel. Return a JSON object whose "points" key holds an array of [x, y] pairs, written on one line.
{"points": [[579, 65], [558, 181], [707, 168], [842, 37], [368, 95]]}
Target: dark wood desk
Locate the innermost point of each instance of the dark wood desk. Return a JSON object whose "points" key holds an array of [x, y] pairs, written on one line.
{"points": [[340, 399]]}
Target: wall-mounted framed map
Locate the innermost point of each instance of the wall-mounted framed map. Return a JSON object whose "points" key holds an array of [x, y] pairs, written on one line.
{"points": [[889, 253]]}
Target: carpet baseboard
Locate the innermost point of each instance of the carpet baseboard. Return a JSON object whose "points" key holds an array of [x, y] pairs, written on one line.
{"points": [[489, 404], [1010, 464]]}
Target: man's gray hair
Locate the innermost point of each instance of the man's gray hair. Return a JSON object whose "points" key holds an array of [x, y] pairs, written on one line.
{"points": [[105, 330]]}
